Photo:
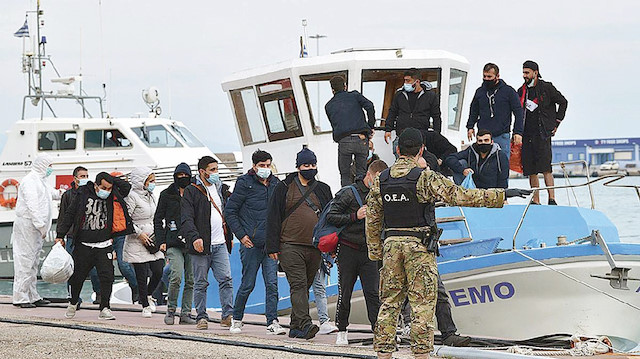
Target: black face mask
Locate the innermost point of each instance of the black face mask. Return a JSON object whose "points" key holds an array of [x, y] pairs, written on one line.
{"points": [[482, 148], [309, 174], [183, 182], [489, 83]]}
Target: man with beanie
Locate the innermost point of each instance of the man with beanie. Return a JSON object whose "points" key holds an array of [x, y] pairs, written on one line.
{"points": [[246, 213], [401, 230], [491, 109], [350, 130], [166, 223], [545, 108], [294, 208]]}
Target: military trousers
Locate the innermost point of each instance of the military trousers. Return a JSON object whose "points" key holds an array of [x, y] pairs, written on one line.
{"points": [[408, 271]]}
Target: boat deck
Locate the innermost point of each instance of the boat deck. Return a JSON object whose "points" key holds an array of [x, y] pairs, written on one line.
{"points": [[44, 332]]}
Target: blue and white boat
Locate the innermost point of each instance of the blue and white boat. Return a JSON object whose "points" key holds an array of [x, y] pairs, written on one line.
{"points": [[557, 269]]}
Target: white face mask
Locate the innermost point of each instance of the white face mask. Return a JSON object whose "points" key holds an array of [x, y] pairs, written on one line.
{"points": [[263, 173]]}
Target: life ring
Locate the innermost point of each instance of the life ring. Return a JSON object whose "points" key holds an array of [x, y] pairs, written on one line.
{"points": [[10, 202]]}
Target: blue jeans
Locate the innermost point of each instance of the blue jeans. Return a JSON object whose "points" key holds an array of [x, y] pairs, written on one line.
{"points": [[252, 259], [504, 140], [320, 294], [218, 261], [126, 269]]}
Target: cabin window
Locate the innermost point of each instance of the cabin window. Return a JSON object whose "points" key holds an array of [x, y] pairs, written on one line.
{"points": [[108, 138], [57, 140], [317, 91], [379, 86], [156, 136], [457, 83], [187, 136], [245, 105], [279, 110]]}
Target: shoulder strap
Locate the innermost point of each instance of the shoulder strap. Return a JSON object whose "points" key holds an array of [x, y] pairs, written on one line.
{"points": [[357, 195], [206, 194], [415, 173], [306, 194], [302, 199]]}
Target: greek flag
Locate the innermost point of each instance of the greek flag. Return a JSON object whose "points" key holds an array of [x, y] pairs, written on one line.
{"points": [[303, 48], [23, 31]]}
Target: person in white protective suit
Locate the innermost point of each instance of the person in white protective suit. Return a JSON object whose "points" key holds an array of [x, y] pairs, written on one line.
{"points": [[30, 228]]}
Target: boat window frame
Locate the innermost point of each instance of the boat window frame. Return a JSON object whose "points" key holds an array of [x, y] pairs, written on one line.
{"points": [[175, 129], [455, 125], [64, 132], [243, 122], [84, 140], [278, 95], [147, 144], [304, 79], [381, 111]]}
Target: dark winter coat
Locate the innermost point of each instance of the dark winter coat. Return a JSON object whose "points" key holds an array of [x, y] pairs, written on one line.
{"points": [[552, 106], [427, 106], [65, 202], [167, 216], [492, 173], [278, 204], [344, 112], [343, 212], [74, 214], [491, 110], [246, 210]]}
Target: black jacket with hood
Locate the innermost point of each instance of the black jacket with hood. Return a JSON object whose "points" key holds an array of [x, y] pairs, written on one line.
{"points": [[167, 219], [343, 212], [492, 173], [552, 105], [427, 106]]}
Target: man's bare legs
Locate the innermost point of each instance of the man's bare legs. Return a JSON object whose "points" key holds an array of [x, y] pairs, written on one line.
{"points": [[534, 182]]}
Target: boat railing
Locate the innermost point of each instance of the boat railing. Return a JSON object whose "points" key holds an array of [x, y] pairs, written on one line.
{"points": [[585, 166], [80, 100]]}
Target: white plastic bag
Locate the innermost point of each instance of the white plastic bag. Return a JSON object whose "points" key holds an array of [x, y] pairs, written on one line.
{"points": [[58, 266]]}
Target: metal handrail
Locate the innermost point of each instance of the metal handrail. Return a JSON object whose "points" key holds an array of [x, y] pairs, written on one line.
{"points": [[608, 184], [588, 183], [585, 165]]}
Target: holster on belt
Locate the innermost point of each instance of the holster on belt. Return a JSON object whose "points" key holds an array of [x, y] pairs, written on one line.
{"points": [[428, 236]]}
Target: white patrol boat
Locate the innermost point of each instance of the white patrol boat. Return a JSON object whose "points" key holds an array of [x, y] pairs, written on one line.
{"points": [[525, 272]]}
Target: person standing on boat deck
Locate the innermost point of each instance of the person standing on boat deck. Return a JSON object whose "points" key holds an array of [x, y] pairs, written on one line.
{"points": [[141, 248], [545, 108], [414, 105], [208, 239], [166, 223], [401, 211], [351, 253], [350, 130], [484, 159], [98, 213], [491, 109], [30, 228], [246, 213], [293, 211]]}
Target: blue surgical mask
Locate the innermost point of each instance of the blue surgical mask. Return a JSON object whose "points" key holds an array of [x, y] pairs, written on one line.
{"points": [[151, 186], [48, 172], [264, 173], [213, 178], [83, 181], [103, 193], [409, 87]]}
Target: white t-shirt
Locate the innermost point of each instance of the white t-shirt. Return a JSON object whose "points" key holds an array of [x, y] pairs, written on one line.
{"points": [[217, 233]]}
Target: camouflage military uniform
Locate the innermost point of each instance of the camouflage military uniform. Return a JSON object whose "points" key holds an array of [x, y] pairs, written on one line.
{"points": [[408, 268]]}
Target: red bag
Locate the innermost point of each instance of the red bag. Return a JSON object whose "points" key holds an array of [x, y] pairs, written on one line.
{"points": [[515, 161], [328, 243]]}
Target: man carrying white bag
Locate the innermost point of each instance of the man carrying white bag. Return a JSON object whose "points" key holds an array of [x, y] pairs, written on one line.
{"points": [[58, 266]]}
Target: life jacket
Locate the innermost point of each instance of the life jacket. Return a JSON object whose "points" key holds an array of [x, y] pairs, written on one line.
{"points": [[400, 201]]}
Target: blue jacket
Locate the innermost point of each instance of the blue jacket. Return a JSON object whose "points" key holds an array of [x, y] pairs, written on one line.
{"points": [[344, 111], [246, 210], [494, 171], [491, 109]]}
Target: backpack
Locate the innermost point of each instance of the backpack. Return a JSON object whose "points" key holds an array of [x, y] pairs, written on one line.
{"points": [[325, 234]]}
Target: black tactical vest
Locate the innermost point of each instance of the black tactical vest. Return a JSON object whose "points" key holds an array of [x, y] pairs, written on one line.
{"points": [[400, 202]]}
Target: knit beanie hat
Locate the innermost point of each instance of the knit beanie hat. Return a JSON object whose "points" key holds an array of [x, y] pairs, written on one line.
{"points": [[306, 157]]}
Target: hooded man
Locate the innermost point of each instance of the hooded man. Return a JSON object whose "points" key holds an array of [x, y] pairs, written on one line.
{"points": [[30, 228], [485, 159]]}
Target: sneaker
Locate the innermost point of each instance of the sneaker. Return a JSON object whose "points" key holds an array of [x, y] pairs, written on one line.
{"points": [[342, 338], [296, 333], [71, 311], [275, 328], [552, 202], [146, 312], [152, 304], [41, 302], [226, 322], [310, 331], [106, 314], [236, 326], [26, 305], [186, 319], [203, 324], [455, 340], [327, 328], [170, 317]]}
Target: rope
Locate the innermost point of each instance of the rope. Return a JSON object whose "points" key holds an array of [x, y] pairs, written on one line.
{"points": [[578, 281]]}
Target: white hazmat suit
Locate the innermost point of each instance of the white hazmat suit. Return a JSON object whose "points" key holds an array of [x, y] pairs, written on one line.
{"points": [[32, 223]]}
